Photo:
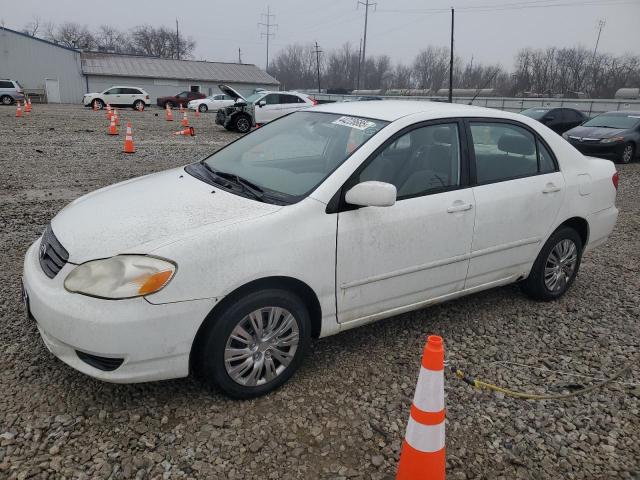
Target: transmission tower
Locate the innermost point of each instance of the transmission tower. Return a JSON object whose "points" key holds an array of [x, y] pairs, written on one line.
{"points": [[269, 30]]}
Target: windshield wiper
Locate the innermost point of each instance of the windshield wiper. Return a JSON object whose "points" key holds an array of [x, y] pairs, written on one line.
{"points": [[231, 179]]}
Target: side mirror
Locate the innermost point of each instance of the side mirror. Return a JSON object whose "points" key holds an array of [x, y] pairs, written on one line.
{"points": [[262, 103], [372, 194]]}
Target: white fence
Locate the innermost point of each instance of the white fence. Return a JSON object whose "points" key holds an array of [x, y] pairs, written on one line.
{"points": [[589, 107]]}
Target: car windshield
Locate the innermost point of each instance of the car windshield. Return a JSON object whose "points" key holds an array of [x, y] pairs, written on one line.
{"points": [[535, 113], [288, 158], [253, 98], [613, 121]]}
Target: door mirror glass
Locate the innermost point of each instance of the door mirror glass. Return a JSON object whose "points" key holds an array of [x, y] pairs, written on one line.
{"points": [[262, 103], [372, 194]]}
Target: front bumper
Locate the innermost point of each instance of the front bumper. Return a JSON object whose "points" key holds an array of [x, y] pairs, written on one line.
{"points": [[153, 340], [600, 150]]}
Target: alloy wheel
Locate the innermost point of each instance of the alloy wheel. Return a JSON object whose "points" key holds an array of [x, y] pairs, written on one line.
{"points": [[261, 346], [560, 265], [627, 154]]}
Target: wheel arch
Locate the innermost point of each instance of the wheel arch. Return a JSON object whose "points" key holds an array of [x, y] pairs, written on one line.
{"points": [[580, 225], [300, 288]]}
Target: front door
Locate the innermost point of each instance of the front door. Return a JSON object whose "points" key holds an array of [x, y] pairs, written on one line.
{"points": [[269, 111], [394, 258], [52, 87], [518, 195]]}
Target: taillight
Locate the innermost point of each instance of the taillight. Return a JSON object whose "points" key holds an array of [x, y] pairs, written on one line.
{"points": [[615, 180], [146, 97], [314, 101]]}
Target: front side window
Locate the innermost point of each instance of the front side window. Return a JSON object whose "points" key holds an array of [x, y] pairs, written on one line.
{"points": [[272, 99], [291, 156], [503, 151], [422, 161], [112, 91]]}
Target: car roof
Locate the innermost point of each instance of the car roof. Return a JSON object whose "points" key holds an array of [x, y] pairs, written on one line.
{"points": [[622, 113], [391, 110]]}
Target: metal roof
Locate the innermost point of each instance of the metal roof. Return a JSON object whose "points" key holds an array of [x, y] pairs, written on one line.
{"points": [[94, 63]]}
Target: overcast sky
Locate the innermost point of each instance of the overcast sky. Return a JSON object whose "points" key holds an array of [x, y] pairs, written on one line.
{"points": [[398, 28]]}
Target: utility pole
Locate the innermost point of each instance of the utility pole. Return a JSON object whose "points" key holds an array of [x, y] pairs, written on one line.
{"points": [[601, 24], [239, 56], [451, 60], [268, 25], [359, 63], [318, 52], [367, 4], [177, 41]]}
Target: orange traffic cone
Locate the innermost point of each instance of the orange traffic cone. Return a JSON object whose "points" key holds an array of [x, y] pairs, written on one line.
{"points": [[109, 112], [18, 110], [168, 114], [113, 128], [423, 455], [95, 106], [187, 131], [185, 120], [128, 141], [27, 105], [197, 113], [115, 117]]}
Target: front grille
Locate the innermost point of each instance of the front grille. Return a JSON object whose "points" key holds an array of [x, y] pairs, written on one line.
{"points": [[53, 256], [101, 363]]}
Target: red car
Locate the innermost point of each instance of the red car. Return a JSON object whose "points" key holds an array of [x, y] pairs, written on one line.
{"points": [[180, 99]]}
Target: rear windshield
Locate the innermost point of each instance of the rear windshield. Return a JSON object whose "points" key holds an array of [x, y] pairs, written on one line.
{"points": [[613, 121], [535, 113]]}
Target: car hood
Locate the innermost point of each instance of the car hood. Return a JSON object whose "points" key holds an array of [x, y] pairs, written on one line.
{"points": [[145, 213], [595, 132], [231, 92]]}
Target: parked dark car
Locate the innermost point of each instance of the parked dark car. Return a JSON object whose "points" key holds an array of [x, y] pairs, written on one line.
{"points": [[181, 99], [557, 119], [613, 135]]}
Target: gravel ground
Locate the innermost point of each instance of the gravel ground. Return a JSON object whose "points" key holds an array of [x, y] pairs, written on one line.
{"points": [[343, 415]]}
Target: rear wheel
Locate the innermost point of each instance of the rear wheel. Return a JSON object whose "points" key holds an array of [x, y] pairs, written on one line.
{"points": [[628, 152], [242, 124], [556, 267], [254, 345], [203, 108], [138, 105], [6, 100]]}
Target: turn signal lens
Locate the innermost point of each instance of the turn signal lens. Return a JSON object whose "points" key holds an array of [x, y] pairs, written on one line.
{"points": [[615, 180], [122, 276]]}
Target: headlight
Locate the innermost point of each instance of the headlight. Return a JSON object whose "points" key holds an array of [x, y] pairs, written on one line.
{"points": [[122, 276], [612, 139]]}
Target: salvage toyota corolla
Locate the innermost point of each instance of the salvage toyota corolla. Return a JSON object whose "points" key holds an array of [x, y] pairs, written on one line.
{"points": [[321, 221]]}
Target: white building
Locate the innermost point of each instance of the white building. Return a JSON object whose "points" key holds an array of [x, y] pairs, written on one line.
{"points": [[66, 74]]}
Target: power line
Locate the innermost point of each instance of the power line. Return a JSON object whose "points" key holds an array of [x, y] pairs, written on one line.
{"points": [[268, 25], [367, 4], [318, 52], [514, 6]]}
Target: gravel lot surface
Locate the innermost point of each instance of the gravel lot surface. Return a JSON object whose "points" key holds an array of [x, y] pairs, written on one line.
{"points": [[344, 413]]}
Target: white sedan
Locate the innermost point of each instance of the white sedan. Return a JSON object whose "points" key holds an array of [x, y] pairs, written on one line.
{"points": [[212, 102], [321, 221]]}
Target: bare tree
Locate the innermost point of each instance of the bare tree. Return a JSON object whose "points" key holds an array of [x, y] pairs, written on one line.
{"points": [[110, 39], [71, 34], [31, 28]]}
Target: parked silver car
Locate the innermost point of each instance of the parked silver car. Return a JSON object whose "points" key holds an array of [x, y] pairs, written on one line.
{"points": [[10, 91]]}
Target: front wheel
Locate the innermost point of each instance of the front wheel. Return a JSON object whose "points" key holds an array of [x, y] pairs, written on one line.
{"points": [[138, 105], [628, 152], [97, 104], [254, 345], [556, 267], [203, 108], [242, 124]]}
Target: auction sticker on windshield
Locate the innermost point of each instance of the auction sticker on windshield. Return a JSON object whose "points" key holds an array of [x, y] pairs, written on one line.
{"points": [[354, 122]]}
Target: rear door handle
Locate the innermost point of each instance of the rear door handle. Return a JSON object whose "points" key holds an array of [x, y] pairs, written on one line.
{"points": [[459, 207], [550, 188]]}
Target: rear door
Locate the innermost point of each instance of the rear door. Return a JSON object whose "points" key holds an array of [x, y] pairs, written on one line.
{"points": [[518, 192]]}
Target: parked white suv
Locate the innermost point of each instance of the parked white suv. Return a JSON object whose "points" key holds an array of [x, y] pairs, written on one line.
{"points": [[260, 108], [118, 96], [321, 221], [10, 92]]}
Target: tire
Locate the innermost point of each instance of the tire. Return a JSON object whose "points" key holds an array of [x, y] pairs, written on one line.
{"points": [[139, 105], [6, 100], [628, 153], [99, 104], [241, 124], [564, 242], [169, 104], [203, 108], [214, 364]]}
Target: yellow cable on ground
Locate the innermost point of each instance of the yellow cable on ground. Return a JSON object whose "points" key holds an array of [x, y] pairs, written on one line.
{"points": [[479, 384]]}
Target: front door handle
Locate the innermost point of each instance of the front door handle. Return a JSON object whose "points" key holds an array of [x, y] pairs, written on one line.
{"points": [[459, 207], [550, 188]]}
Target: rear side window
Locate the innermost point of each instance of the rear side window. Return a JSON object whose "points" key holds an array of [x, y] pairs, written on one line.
{"points": [[504, 151], [288, 98], [6, 84]]}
